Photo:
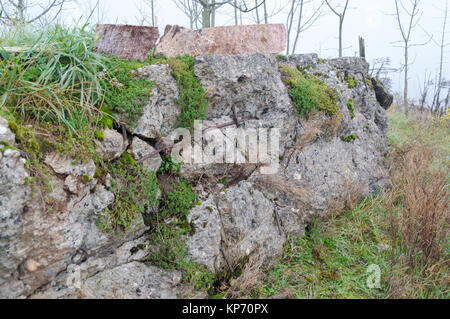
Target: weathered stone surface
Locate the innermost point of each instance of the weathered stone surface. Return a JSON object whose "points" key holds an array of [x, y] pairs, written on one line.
{"points": [[319, 173], [234, 40], [133, 280], [118, 275], [212, 167], [5, 133], [125, 41], [161, 113], [140, 149], [112, 145], [241, 221], [253, 85], [66, 165], [204, 246], [37, 244]]}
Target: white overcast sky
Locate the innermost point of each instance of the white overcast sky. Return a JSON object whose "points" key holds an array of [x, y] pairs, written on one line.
{"points": [[372, 19]]}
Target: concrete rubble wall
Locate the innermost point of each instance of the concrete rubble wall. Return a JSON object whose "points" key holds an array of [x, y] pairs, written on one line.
{"points": [[41, 253]]}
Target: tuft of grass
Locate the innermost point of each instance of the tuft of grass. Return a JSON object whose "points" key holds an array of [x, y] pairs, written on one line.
{"points": [[308, 93], [55, 80]]}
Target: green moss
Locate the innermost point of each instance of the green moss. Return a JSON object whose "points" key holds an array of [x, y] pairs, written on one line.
{"points": [[351, 109], [85, 179], [135, 189], [349, 138], [169, 229], [127, 159], [99, 135], [192, 99], [169, 166], [350, 81], [125, 94], [308, 93], [282, 57], [7, 146]]}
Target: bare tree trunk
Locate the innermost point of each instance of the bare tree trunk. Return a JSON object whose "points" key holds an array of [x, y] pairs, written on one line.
{"points": [[341, 17], [153, 13], [341, 23], [213, 13], [235, 13], [405, 89], [414, 19], [257, 12], [298, 27], [206, 16], [441, 62], [266, 17], [21, 12], [289, 26]]}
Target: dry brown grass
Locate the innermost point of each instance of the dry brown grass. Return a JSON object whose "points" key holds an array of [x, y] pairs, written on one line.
{"points": [[422, 187], [419, 208], [249, 281]]}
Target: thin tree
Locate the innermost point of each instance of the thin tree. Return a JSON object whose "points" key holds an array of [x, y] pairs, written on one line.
{"points": [[303, 23], [341, 16], [143, 17], [210, 6], [192, 9], [413, 18], [21, 12], [442, 45], [266, 11]]}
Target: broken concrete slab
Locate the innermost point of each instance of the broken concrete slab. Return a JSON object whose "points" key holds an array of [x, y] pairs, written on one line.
{"points": [[125, 41], [233, 40]]}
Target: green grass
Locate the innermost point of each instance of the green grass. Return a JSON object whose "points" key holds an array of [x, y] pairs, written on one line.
{"points": [[332, 260]]}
